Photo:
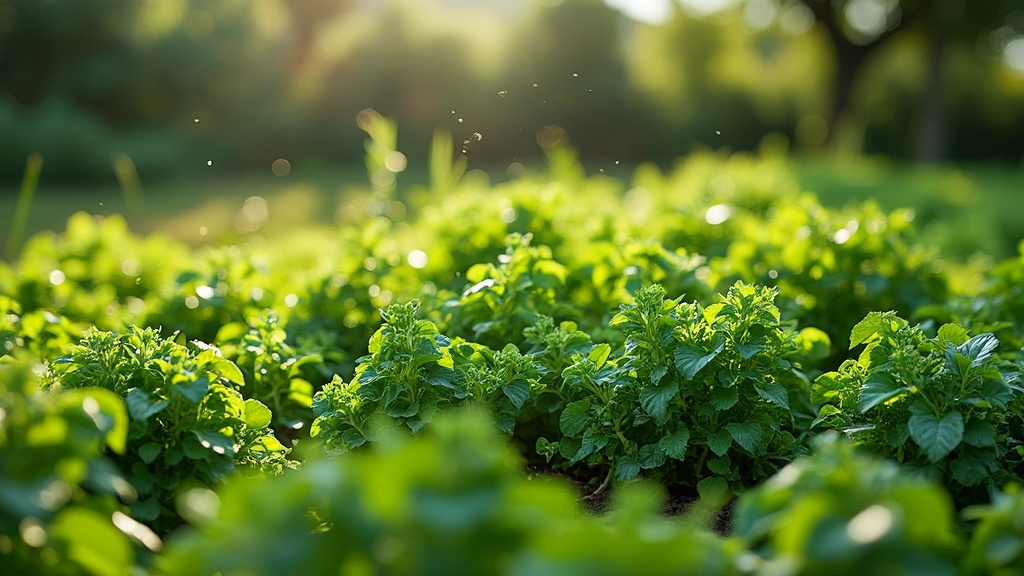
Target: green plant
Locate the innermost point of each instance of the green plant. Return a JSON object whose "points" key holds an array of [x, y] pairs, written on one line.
{"points": [[408, 375], [841, 512], [939, 405], [60, 497], [188, 422], [997, 544], [710, 386]]}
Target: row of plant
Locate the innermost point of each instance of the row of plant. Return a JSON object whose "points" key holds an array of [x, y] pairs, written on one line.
{"points": [[705, 330]]}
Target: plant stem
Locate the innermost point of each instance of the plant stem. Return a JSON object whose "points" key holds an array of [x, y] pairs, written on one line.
{"points": [[29, 184]]}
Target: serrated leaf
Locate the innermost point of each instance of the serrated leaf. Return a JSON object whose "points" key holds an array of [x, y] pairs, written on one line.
{"points": [[674, 445], [873, 323], [719, 442], [141, 404], [979, 348], [880, 387], [936, 436], [588, 446], [749, 350], [723, 398], [972, 470], [690, 359], [747, 435], [651, 456], [149, 451], [627, 468], [774, 393], [826, 388], [655, 399], [256, 414], [575, 418], [518, 392]]}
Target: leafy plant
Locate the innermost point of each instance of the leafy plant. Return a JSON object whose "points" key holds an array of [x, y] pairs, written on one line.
{"points": [[187, 421], [938, 405], [272, 368], [997, 544], [60, 497], [709, 386], [841, 512], [408, 375]]}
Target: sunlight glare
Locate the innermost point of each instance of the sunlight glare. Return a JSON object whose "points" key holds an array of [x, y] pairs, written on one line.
{"points": [[646, 11]]}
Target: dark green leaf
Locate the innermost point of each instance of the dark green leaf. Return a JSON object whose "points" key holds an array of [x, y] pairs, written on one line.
{"points": [[655, 400], [719, 442], [723, 398], [575, 418], [979, 348], [674, 445], [141, 404], [774, 393], [747, 435], [721, 466], [936, 436], [979, 433], [974, 468], [518, 392], [749, 350], [651, 456], [193, 391], [627, 468], [690, 359], [149, 451]]}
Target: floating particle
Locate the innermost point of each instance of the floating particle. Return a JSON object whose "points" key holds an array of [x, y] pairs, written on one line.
{"points": [[197, 120], [718, 132], [503, 93], [575, 75], [478, 136], [616, 162], [209, 162], [535, 84], [460, 120]]}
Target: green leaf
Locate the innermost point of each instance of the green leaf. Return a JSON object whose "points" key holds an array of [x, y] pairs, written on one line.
{"points": [[936, 436], [194, 391], [881, 387], [93, 542], [674, 445], [110, 406], [723, 398], [721, 466], [690, 359], [826, 388], [651, 456], [775, 394], [655, 400], [979, 433], [229, 371], [149, 451], [140, 404], [257, 415], [979, 348], [719, 442], [713, 488], [973, 469], [627, 468], [749, 350], [747, 435], [875, 323], [575, 418], [814, 344], [217, 442], [953, 333], [599, 354], [518, 392]]}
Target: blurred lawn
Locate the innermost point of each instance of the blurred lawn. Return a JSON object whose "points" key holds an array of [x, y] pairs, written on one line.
{"points": [[966, 209]]}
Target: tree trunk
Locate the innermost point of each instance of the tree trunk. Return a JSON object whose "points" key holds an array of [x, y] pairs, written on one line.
{"points": [[932, 129]]}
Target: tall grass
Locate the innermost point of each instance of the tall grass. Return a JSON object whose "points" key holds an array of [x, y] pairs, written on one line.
{"points": [[29, 184]]}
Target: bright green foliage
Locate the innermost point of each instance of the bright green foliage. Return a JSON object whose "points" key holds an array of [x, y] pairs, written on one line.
{"points": [[937, 404], [450, 501], [706, 386], [59, 494], [997, 545], [505, 299], [188, 422], [505, 380], [408, 375], [274, 371], [843, 513]]}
